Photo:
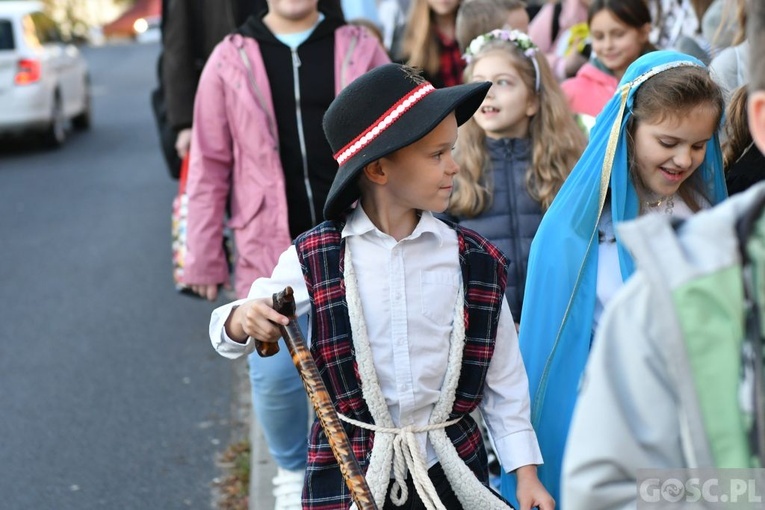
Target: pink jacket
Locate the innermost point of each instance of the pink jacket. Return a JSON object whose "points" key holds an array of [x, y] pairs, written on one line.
{"points": [[235, 158], [589, 91]]}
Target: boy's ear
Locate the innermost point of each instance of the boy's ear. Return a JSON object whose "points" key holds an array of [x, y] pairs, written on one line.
{"points": [[374, 172], [756, 110]]}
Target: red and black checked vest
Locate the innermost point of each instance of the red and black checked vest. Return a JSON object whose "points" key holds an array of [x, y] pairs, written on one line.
{"points": [[484, 274]]}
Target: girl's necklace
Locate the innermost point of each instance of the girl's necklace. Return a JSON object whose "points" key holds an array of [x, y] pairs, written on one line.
{"points": [[669, 204]]}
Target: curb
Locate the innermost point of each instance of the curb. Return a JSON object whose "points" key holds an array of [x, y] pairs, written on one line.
{"points": [[244, 427], [262, 466], [262, 470]]}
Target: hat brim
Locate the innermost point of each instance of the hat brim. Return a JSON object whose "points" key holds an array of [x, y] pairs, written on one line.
{"points": [[417, 122]]}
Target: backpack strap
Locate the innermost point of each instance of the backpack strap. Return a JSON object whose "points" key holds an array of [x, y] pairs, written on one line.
{"points": [[164, 18], [556, 21], [197, 36]]}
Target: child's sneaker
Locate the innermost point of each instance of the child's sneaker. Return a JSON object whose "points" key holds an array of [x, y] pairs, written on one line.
{"points": [[288, 489]]}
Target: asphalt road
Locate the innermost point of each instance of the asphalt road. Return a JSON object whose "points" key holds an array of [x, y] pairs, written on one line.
{"points": [[110, 393]]}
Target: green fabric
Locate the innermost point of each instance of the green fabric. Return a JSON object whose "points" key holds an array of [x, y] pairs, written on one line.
{"points": [[711, 314]]}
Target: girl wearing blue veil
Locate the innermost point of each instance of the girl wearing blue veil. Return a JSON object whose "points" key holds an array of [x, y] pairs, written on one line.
{"points": [[654, 149]]}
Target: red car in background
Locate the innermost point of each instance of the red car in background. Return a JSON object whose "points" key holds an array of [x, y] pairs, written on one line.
{"points": [[137, 20]]}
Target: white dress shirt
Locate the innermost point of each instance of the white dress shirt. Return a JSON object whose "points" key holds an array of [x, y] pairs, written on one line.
{"points": [[409, 290]]}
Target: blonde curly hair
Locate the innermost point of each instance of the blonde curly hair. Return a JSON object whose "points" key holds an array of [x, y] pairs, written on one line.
{"points": [[550, 162]]}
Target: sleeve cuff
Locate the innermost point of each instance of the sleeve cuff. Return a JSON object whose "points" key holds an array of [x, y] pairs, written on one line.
{"points": [[225, 346], [518, 449]]}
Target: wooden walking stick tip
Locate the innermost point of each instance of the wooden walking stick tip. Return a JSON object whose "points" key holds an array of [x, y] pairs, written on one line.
{"points": [[284, 302]]}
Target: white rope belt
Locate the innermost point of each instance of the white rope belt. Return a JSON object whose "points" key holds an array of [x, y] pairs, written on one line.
{"points": [[407, 455]]}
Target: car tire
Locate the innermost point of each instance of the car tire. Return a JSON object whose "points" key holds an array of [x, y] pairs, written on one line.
{"points": [[55, 133], [81, 121]]}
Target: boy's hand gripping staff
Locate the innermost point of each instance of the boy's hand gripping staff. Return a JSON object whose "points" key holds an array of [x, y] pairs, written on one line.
{"points": [[284, 303]]}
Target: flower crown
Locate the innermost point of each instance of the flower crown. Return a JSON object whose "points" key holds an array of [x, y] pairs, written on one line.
{"points": [[520, 39]]}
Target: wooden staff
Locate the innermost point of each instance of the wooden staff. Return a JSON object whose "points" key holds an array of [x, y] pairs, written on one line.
{"points": [[284, 303]]}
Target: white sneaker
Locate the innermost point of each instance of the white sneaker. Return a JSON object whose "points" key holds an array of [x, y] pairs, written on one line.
{"points": [[288, 489]]}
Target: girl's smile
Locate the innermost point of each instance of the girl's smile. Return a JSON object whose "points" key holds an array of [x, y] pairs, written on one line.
{"points": [[667, 152]]}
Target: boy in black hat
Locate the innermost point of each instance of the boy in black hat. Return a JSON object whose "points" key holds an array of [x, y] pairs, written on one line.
{"points": [[410, 328]]}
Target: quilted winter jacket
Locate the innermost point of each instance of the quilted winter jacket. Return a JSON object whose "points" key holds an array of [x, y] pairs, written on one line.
{"points": [[513, 217], [235, 158]]}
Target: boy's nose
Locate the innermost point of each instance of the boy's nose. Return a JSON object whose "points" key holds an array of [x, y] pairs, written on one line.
{"points": [[453, 168]]}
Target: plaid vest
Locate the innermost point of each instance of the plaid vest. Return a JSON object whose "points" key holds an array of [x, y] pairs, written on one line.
{"points": [[484, 274]]}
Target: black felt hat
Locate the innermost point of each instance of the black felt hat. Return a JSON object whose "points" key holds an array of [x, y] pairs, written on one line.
{"points": [[382, 111]]}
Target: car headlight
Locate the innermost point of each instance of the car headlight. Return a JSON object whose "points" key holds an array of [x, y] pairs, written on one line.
{"points": [[140, 26]]}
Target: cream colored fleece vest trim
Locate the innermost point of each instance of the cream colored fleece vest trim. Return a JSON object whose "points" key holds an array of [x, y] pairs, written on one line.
{"points": [[469, 490]]}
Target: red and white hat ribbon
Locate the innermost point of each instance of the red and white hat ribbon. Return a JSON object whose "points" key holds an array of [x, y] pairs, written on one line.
{"points": [[383, 122]]}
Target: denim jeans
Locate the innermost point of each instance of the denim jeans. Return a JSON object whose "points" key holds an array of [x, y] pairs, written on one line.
{"points": [[280, 405]]}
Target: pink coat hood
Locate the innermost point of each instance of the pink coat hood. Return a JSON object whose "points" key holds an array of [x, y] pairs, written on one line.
{"points": [[589, 91]]}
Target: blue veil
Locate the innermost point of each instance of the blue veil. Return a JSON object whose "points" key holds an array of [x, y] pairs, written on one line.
{"points": [[559, 302]]}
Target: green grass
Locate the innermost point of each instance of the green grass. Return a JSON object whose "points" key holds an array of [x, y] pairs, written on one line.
{"points": [[234, 485]]}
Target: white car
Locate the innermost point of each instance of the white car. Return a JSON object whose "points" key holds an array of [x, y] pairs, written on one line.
{"points": [[44, 81]]}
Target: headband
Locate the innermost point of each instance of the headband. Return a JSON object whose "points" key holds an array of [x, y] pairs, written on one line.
{"points": [[521, 40]]}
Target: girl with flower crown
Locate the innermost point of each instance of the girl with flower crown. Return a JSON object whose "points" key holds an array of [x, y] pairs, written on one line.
{"points": [[654, 149], [510, 172]]}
